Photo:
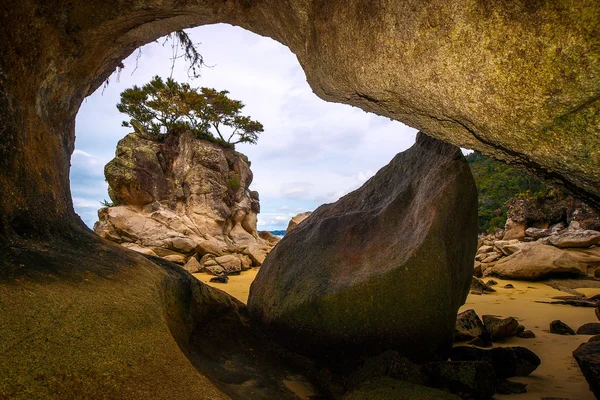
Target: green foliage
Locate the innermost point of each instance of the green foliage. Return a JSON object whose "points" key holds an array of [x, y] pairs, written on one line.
{"points": [[233, 183], [163, 107], [496, 183]]}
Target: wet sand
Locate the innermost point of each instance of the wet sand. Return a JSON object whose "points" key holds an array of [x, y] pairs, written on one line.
{"points": [[557, 376]]}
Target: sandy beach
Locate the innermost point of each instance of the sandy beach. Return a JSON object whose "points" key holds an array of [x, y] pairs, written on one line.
{"points": [[558, 376]]}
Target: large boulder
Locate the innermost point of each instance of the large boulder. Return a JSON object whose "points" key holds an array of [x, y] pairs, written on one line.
{"points": [[385, 267], [180, 194], [537, 261]]}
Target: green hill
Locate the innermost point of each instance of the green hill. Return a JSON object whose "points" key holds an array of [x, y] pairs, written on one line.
{"points": [[496, 183]]}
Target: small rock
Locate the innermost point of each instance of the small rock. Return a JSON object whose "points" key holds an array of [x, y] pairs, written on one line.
{"points": [[389, 363], [500, 328], [507, 387], [560, 328], [527, 334], [220, 279], [192, 266], [491, 257], [598, 312], [477, 272], [509, 286], [485, 249], [506, 361], [468, 326], [491, 282], [593, 328], [479, 287], [536, 233]]}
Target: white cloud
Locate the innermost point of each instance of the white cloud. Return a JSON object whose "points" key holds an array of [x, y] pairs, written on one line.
{"points": [[311, 151]]}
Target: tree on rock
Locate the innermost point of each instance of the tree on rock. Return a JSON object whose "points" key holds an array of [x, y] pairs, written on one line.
{"points": [[162, 107]]}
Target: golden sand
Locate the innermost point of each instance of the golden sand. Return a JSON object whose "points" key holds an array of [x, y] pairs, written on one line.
{"points": [[557, 376]]}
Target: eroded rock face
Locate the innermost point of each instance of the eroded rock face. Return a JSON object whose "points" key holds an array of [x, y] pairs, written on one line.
{"points": [[296, 219], [181, 197], [385, 267]]}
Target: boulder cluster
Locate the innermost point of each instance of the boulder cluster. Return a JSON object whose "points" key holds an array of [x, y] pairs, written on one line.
{"points": [[185, 200], [539, 253]]}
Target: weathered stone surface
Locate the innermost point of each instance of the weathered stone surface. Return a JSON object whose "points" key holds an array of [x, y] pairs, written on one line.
{"points": [[537, 261], [491, 257], [500, 328], [575, 238], [560, 328], [592, 328], [538, 233], [269, 237], [514, 230], [480, 287], [468, 379], [192, 266], [296, 220], [501, 246], [390, 364], [468, 326], [506, 361], [181, 194], [485, 249], [313, 286], [588, 358]]}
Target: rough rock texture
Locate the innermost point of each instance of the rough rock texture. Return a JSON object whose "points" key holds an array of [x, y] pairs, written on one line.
{"points": [[468, 326], [296, 219], [500, 328], [592, 328], [181, 198], [467, 379], [537, 261], [588, 358], [560, 328], [514, 230], [384, 388], [507, 361], [89, 319], [394, 256], [579, 238], [534, 101]]}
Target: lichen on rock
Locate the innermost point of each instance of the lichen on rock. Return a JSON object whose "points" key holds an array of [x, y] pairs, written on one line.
{"points": [[181, 197]]}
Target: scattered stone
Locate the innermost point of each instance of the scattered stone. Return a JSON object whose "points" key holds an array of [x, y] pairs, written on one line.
{"points": [[192, 266], [500, 328], [214, 270], [588, 358], [508, 387], [311, 290], [484, 250], [575, 238], [480, 287], [468, 326], [506, 361], [220, 279], [537, 261], [593, 328], [480, 257], [536, 233], [560, 328], [506, 247], [526, 334], [477, 272], [514, 230], [509, 286], [269, 237], [464, 378], [491, 257], [491, 282]]}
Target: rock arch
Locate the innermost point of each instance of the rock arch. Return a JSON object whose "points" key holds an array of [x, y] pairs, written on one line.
{"points": [[520, 81]]}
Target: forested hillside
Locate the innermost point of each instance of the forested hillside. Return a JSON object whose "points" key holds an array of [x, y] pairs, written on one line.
{"points": [[496, 183]]}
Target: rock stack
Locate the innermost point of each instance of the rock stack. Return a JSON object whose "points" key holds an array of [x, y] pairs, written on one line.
{"points": [[185, 200]]}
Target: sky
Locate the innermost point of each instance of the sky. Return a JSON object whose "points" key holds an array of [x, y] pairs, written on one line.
{"points": [[311, 152]]}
